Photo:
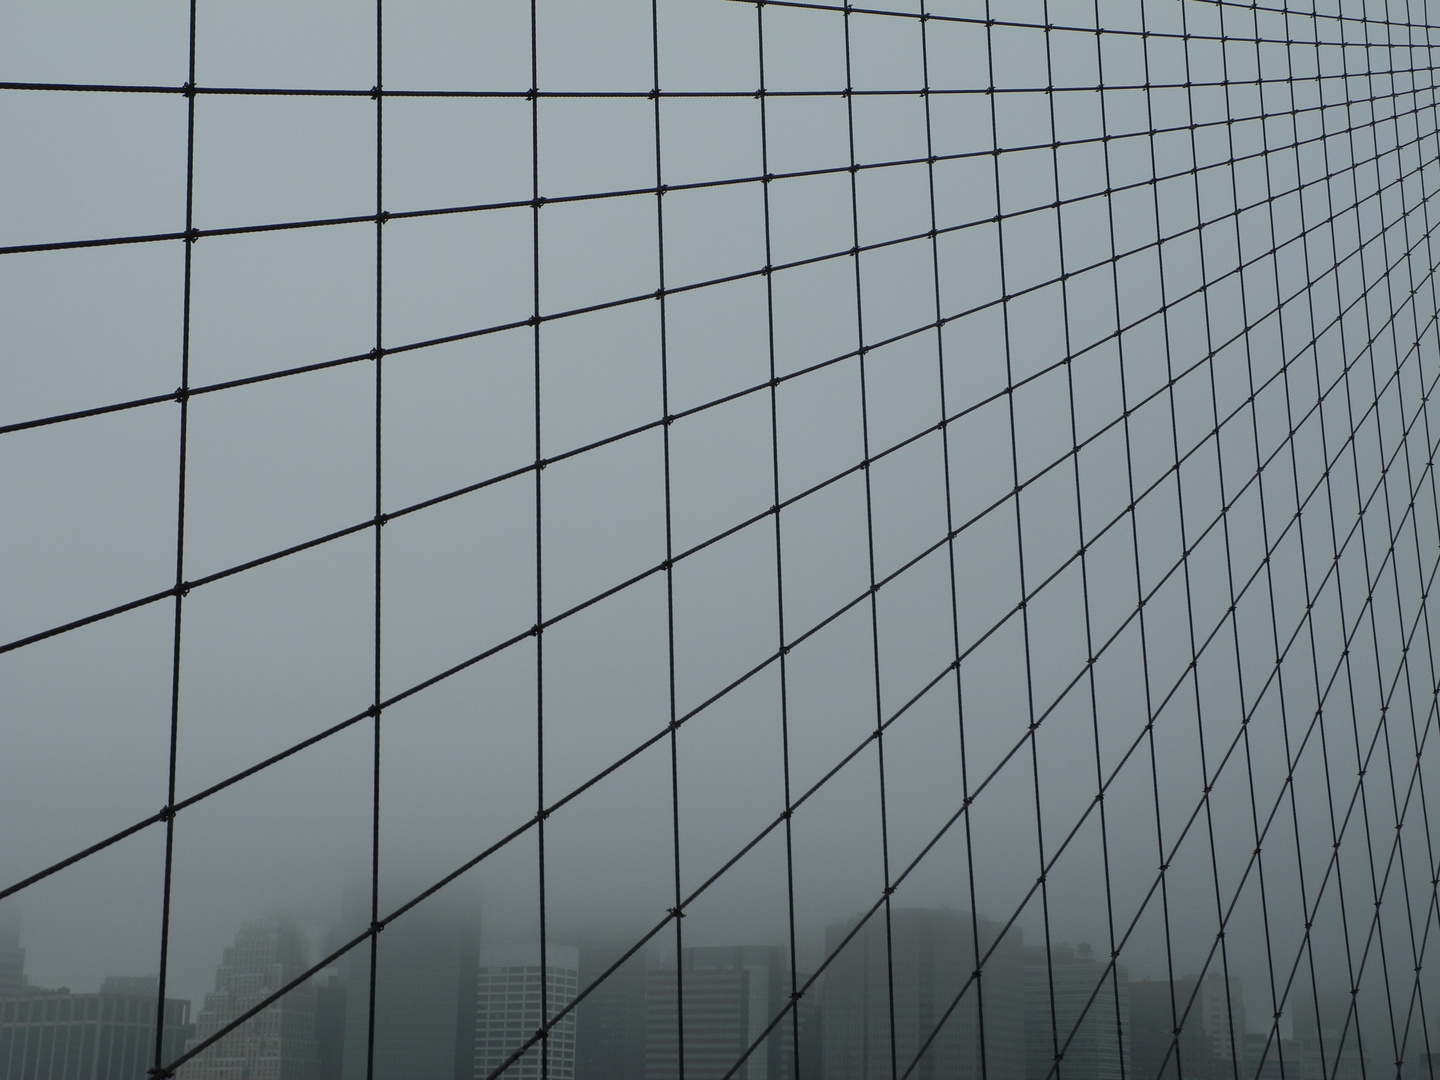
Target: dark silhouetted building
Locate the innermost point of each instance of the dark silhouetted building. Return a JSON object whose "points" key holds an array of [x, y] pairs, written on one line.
{"points": [[730, 996], [278, 1043], [508, 995], [610, 1022], [56, 1035], [330, 1002], [424, 998], [1076, 1011], [1210, 1016], [940, 1023]]}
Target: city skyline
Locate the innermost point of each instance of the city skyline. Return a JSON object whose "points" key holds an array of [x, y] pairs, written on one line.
{"points": [[733, 993]]}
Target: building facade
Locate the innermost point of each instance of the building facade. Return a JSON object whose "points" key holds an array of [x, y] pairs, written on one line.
{"points": [[1077, 1016], [509, 991], [424, 998], [945, 1026], [610, 1022], [279, 1042], [56, 1035], [731, 994]]}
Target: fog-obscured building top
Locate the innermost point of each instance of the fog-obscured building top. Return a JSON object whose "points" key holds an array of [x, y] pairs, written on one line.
{"points": [[610, 1022], [278, 1043], [424, 999]]}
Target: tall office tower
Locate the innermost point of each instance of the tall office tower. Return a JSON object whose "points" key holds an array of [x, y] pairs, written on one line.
{"points": [[56, 1035], [1076, 1011], [929, 959], [610, 1022], [330, 1000], [424, 998], [1212, 1041], [279, 1042], [508, 995], [1222, 1015], [1157, 1008], [727, 996]]}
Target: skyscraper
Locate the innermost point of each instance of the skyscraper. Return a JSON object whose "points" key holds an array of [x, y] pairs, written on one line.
{"points": [[279, 1042], [610, 1022], [1211, 1043], [424, 998], [1076, 1013], [508, 1012], [927, 956], [731, 995]]}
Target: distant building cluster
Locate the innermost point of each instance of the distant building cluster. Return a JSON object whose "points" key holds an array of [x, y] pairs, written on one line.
{"points": [[930, 994]]}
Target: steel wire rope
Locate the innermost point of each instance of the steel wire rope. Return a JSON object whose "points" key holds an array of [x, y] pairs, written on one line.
{"points": [[167, 874], [517, 638], [322, 365], [674, 914], [1350, 446]]}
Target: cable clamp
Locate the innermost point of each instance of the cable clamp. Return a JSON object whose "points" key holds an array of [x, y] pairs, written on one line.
{"points": [[377, 926], [375, 93], [188, 89], [192, 236], [676, 912], [182, 395], [167, 813]]}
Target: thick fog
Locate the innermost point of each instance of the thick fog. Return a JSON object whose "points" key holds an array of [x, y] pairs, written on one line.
{"points": [[1097, 423]]}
